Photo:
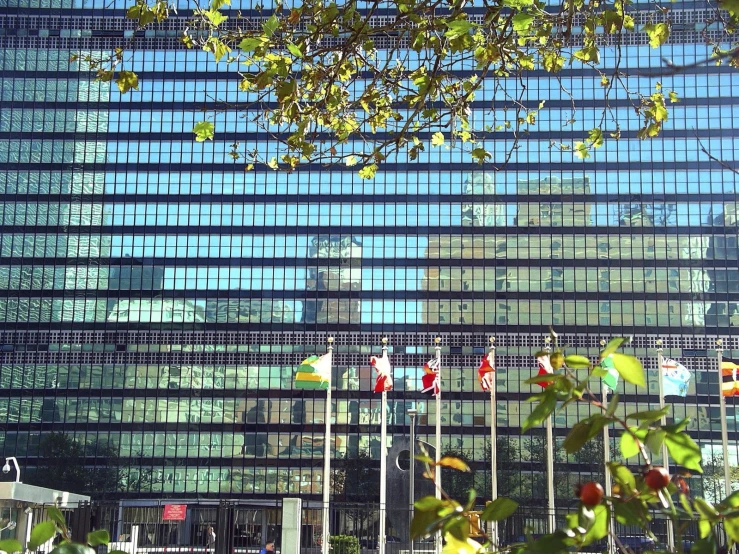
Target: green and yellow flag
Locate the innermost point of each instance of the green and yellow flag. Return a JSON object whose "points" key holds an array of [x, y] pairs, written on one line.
{"points": [[314, 373]]}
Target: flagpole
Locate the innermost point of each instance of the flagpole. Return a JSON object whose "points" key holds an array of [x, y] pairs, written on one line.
{"points": [[383, 461], [606, 459], [437, 470], [724, 429], [663, 421], [327, 458], [551, 518], [493, 444]]}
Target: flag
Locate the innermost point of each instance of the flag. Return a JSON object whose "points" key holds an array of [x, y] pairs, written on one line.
{"points": [[675, 378], [729, 383], [610, 379], [545, 368], [384, 380], [486, 373], [314, 373], [430, 381]]}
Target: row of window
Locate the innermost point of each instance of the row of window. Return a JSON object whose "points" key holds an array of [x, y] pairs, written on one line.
{"points": [[388, 214], [429, 278], [467, 311], [230, 412], [409, 181], [382, 247]]}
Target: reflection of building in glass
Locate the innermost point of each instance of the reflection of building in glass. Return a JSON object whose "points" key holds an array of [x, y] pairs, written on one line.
{"points": [[156, 298], [339, 273]]}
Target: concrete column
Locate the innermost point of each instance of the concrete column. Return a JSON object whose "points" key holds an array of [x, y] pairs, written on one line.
{"points": [[292, 519]]}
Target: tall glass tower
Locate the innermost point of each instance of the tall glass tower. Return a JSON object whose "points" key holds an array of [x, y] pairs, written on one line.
{"points": [[155, 298]]}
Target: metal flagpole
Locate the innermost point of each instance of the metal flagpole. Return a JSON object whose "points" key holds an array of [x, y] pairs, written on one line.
{"points": [[724, 429], [437, 457], [327, 458], [383, 462], [665, 455], [550, 462], [606, 459], [493, 443]]}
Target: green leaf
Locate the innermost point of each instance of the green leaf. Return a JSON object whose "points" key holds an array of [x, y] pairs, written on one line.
{"points": [[458, 527], [270, 26], [599, 528], [629, 368], [96, 538], [56, 515], [654, 439], [684, 451], [633, 512], [250, 44], [499, 509], [574, 361], [368, 171], [581, 150], [612, 404], [204, 130], [72, 548], [117, 552], [295, 50], [577, 437], [704, 546], [458, 28], [215, 5], [595, 136], [658, 33], [649, 416], [437, 139], [522, 22], [613, 345], [214, 16], [628, 444], [623, 476], [41, 532], [126, 81], [10, 546], [543, 410]]}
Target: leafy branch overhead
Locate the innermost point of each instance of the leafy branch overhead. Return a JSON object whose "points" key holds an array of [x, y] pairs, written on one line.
{"points": [[642, 490], [343, 82]]}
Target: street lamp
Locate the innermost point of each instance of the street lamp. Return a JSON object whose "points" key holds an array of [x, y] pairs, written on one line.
{"points": [[412, 486], [6, 468]]}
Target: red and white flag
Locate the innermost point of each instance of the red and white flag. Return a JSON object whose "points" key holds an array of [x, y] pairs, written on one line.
{"points": [[384, 378], [486, 373], [545, 368], [430, 380]]}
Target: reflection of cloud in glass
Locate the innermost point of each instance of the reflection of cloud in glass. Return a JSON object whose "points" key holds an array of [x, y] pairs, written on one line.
{"points": [[157, 310]]}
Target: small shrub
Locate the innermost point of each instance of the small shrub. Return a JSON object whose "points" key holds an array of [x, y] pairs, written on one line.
{"points": [[343, 544]]}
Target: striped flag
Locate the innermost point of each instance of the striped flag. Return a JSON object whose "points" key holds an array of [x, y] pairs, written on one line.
{"points": [[430, 381], [675, 378], [729, 383], [384, 379], [545, 368], [486, 373], [314, 373]]}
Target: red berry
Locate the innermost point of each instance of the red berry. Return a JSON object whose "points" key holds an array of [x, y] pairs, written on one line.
{"points": [[590, 494], [657, 478]]}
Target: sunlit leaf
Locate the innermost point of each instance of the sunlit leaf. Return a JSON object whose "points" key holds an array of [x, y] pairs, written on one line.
{"points": [[453, 463], [204, 130], [684, 451], [437, 139], [96, 538], [10, 546], [126, 81], [629, 368]]}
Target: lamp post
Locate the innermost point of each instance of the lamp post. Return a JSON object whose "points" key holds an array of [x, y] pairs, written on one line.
{"points": [[412, 469], [6, 468]]}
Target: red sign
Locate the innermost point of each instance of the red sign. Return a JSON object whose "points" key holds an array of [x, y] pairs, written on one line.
{"points": [[174, 512]]}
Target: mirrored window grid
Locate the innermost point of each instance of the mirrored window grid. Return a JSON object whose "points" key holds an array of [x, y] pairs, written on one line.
{"points": [[155, 298]]}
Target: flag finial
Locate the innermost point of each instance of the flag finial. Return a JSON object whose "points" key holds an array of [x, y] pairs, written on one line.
{"points": [[437, 340], [602, 342], [492, 343], [330, 340], [384, 340], [658, 342], [719, 344]]}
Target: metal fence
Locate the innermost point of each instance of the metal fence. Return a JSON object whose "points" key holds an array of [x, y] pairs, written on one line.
{"points": [[242, 527]]}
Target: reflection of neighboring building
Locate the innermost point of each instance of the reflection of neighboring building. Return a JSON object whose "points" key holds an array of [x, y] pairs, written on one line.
{"points": [[723, 251], [338, 275]]}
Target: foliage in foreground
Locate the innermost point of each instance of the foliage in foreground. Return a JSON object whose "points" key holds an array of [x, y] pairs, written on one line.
{"points": [[356, 82], [638, 494], [56, 528]]}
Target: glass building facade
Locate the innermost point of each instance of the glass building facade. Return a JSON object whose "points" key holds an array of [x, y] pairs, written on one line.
{"points": [[155, 298]]}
